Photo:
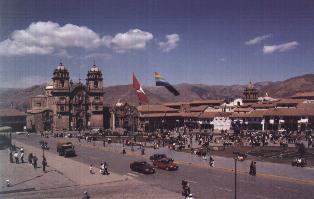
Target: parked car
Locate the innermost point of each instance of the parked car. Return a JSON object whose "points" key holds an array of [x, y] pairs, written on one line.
{"points": [[142, 167], [165, 163], [201, 152], [299, 162], [158, 156], [66, 149]]}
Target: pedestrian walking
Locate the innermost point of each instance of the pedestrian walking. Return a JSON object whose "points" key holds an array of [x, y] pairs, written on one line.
{"points": [[30, 158], [11, 156], [91, 169], [35, 161], [8, 183], [102, 168], [85, 195], [254, 169], [211, 161], [104, 143], [123, 150], [106, 168], [16, 157], [251, 168], [44, 164], [22, 157], [190, 196]]}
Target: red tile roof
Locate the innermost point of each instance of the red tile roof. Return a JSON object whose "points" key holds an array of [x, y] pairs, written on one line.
{"points": [[263, 105], [254, 113], [155, 108], [290, 112], [215, 114], [207, 102], [198, 108]]}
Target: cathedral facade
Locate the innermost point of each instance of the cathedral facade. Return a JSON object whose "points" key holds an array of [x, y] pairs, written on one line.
{"points": [[67, 105]]}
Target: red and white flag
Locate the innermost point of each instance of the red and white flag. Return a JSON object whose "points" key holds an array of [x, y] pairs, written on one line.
{"points": [[139, 90]]}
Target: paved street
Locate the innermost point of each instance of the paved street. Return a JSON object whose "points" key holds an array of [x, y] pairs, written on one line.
{"points": [[205, 182]]}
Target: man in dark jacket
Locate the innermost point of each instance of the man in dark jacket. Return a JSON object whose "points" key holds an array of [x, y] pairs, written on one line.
{"points": [[30, 158], [44, 163], [35, 162], [11, 156]]}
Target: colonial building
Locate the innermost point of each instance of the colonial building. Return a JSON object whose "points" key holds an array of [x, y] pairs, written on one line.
{"points": [[250, 94], [67, 105], [12, 118]]}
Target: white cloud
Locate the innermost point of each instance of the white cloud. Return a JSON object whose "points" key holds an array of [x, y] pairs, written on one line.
{"points": [[43, 38], [257, 40], [96, 55], [63, 53], [222, 59], [170, 44], [280, 48], [133, 39]]}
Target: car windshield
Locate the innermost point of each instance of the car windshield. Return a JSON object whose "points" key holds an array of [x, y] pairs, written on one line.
{"points": [[67, 147]]}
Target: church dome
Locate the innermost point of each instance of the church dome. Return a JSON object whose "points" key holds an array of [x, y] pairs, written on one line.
{"points": [[60, 66], [94, 68]]}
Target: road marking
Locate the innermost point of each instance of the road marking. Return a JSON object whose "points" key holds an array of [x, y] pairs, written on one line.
{"points": [[132, 174], [192, 181]]}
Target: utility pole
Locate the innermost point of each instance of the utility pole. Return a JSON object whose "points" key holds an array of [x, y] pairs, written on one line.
{"points": [[235, 173], [132, 113], [235, 178]]}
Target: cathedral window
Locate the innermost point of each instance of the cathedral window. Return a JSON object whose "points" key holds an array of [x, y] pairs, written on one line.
{"points": [[62, 83], [62, 108], [96, 84]]}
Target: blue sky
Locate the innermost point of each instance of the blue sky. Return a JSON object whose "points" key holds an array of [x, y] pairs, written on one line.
{"points": [[207, 42]]}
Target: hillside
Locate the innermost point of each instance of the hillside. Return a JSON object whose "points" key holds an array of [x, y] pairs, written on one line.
{"points": [[20, 98]]}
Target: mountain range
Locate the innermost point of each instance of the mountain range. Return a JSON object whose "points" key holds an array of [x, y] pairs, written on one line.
{"points": [[20, 97]]}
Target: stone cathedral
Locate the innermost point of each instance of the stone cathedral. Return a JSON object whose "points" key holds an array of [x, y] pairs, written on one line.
{"points": [[67, 105]]}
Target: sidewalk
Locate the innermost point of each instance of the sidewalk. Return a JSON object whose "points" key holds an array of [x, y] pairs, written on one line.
{"points": [[75, 171], [267, 169], [24, 177]]}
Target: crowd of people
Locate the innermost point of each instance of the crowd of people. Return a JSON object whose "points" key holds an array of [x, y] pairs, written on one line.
{"points": [[16, 155]]}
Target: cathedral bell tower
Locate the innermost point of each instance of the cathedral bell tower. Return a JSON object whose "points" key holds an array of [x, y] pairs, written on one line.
{"points": [[250, 94], [94, 84], [60, 94], [61, 78]]}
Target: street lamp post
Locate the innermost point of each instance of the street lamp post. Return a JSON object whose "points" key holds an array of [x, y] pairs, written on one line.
{"points": [[235, 173], [131, 112], [132, 148], [235, 178], [43, 148]]}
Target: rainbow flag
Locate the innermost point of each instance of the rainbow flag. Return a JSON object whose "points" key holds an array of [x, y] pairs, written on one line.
{"points": [[160, 81]]}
